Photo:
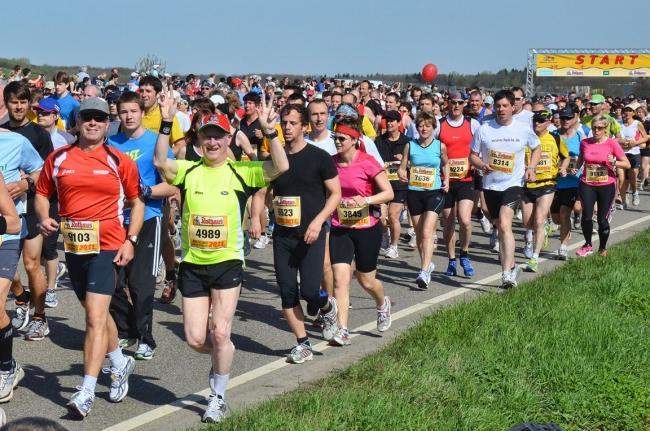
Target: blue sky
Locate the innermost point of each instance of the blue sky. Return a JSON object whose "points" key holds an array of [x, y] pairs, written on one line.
{"points": [[314, 37]]}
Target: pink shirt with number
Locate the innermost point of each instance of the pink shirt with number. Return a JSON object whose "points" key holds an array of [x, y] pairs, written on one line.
{"points": [[357, 179], [597, 170]]}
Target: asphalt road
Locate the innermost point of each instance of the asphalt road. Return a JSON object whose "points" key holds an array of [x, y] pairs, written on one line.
{"points": [[169, 391]]}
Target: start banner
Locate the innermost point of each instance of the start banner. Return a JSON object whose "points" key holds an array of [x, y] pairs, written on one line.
{"points": [[590, 65]]}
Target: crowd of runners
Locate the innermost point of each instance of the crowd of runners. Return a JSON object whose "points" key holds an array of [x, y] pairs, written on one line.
{"points": [[331, 173]]}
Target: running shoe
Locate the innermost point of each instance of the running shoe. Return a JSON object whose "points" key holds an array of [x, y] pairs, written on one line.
{"points": [[423, 280], [494, 238], [342, 338], [403, 216], [392, 252], [120, 379], [431, 268], [577, 221], [21, 317], [452, 269], [81, 402], [300, 353], [585, 250], [509, 278], [528, 250], [216, 411], [51, 298], [413, 242], [9, 380], [635, 199], [563, 252], [486, 225], [60, 271], [37, 330], [495, 247], [261, 243], [383, 316], [532, 265], [602, 252], [123, 343], [144, 353], [318, 321], [330, 320], [466, 264], [169, 292]]}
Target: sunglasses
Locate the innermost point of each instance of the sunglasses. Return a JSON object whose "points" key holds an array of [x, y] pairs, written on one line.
{"points": [[457, 102], [598, 128], [97, 116], [340, 138], [519, 99], [541, 116], [593, 104], [566, 118]]}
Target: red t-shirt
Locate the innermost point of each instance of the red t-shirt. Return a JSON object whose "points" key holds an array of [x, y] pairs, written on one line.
{"points": [[92, 187], [357, 179]]}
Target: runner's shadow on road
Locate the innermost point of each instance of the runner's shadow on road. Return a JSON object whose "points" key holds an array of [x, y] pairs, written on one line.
{"points": [[142, 388], [65, 336], [46, 384]]}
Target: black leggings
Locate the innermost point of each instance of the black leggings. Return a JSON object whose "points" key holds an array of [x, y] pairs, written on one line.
{"points": [[290, 255], [604, 197]]}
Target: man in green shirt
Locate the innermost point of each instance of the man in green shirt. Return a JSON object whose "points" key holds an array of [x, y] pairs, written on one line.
{"points": [[214, 191]]}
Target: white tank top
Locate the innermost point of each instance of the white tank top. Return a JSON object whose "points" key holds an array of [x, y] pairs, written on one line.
{"points": [[631, 132]]}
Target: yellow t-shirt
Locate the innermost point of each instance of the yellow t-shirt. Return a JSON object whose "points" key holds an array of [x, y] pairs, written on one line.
{"points": [[368, 128], [266, 143], [549, 162], [151, 120]]}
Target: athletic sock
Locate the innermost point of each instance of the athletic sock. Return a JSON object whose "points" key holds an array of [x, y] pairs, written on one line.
{"points": [[529, 235], [303, 340], [535, 255], [6, 348], [464, 253], [117, 358], [220, 382], [89, 383], [23, 298]]}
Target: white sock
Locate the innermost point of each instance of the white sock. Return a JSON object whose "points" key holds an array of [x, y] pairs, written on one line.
{"points": [[383, 306], [535, 255], [218, 384], [529, 235], [117, 359], [89, 383]]}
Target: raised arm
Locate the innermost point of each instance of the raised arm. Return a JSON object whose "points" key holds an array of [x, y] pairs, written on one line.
{"points": [[279, 163], [168, 168]]}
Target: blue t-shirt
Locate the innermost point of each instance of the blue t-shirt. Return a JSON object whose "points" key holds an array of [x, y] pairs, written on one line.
{"points": [[16, 154], [573, 145], [424, 159], [67, 104], [141, 150]]}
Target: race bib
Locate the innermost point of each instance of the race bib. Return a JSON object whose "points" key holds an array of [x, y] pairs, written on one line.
{"points": [[597, 173], [544, 164], [391, 171], [422, 177], [502, 162], [458, 168], [573, 163], [208, 232], [287, 210], [354, 216], [80, 236]]}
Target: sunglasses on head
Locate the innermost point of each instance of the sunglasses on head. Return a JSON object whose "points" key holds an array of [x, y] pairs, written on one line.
{"points": [[100, 117], [541, 116]]}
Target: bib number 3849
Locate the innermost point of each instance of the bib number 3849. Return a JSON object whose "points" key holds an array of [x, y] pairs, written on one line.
{"points": [[80, 236], [208, 232]]}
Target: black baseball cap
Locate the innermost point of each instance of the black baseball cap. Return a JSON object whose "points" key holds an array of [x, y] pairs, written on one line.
{"points": [[567, 112]]}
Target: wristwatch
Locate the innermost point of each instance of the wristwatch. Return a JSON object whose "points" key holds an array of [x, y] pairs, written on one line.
{"points": [[368, 200], [272, 135], [30, 184], [133, 239]]}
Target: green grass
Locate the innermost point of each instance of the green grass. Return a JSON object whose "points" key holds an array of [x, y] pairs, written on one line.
{"points": [[571, 347]]}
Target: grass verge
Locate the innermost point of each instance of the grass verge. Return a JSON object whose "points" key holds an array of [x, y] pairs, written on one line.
{"points": [[570, 347]]}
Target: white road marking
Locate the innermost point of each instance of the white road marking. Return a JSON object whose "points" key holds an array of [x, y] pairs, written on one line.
{"points": [[198, 398]]}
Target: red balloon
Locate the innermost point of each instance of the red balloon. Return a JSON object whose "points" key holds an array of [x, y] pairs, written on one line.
{"points": [[429, 72]]}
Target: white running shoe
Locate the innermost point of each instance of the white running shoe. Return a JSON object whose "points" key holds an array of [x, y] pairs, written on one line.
{"points": [[528, 250], [300, 353], [635, 199], [120, 380], [261, 243], [392, 252], [81, 402], [486, 225], [330, 320], [563, 252], [383, 316], [216, 411]]}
